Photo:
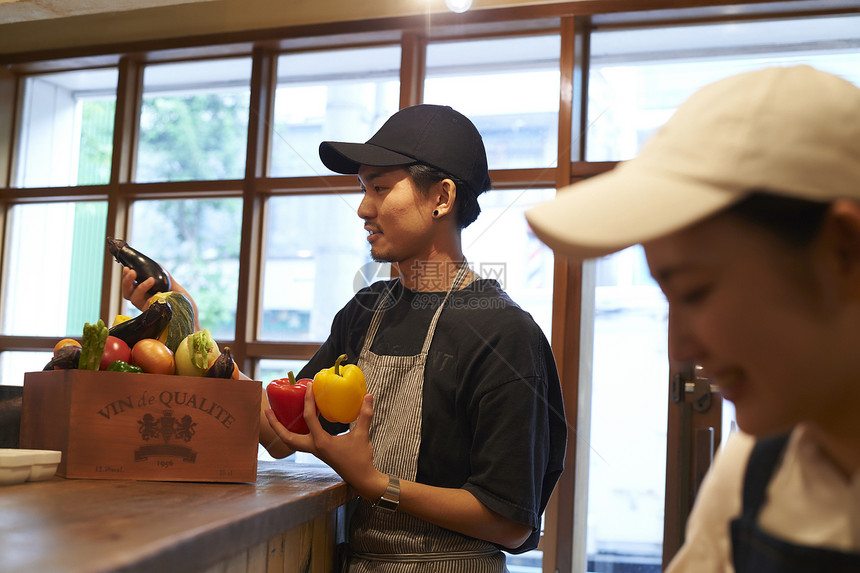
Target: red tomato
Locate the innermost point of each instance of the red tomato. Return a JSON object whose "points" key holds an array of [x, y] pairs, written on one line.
{"points": [[153, 357], [287, 399], [115, 349]]}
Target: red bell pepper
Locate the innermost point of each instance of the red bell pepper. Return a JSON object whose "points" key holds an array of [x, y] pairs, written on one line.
{"points": [[287, 399]]}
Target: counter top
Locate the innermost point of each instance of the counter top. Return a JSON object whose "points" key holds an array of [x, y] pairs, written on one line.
{"points": [[75, 525]]}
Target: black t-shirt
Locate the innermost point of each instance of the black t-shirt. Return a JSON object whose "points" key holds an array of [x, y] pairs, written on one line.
{"points": [[493, 418]]}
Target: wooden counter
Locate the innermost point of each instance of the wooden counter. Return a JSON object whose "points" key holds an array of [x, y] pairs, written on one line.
{"points": [[286, 521]]}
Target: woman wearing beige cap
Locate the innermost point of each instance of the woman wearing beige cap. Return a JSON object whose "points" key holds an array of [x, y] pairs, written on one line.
{"points": [[747, 204]]}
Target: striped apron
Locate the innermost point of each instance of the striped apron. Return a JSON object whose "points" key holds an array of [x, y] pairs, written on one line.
{"points": [[397, 542]]}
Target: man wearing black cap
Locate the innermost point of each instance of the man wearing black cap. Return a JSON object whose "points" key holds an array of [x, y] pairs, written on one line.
{"points": [[461, 438]]}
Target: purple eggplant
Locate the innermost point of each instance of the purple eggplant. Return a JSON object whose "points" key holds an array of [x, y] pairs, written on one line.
{"points": [[139, 263]]}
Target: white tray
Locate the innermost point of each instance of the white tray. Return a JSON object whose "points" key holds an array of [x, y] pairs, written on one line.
{"points": [[18, 466]]}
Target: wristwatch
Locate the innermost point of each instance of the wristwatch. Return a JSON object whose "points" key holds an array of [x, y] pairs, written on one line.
{"points": [[391, 498]]}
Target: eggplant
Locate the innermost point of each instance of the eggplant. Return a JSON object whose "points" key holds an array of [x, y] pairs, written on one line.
{"points": [[148, 324], [222, 367], [65, 358], [141, 264]]}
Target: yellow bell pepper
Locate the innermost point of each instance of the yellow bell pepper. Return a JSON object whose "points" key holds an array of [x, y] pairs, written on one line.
{"points": [[119, 319], [339, 391]]}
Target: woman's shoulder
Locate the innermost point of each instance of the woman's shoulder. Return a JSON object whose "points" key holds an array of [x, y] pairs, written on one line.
{"points": [[707, 547], [720, 493]]}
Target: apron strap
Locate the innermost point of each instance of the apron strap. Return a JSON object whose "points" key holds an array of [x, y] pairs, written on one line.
{"points": [[765, 457], [458, 280], [377, 318]]}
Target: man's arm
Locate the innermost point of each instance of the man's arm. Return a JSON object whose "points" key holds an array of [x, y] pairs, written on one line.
{"points": [[350, 455], [460, 511]]}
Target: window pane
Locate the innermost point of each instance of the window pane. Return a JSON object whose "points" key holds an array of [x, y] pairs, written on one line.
{"points": [[342, 95], [197, 241], [194, 121], [315, 258], [638, 77], [270, 369], [627, 454], [52, 278], [500, 245], [67, 129], [508, 88], [13, 365]]}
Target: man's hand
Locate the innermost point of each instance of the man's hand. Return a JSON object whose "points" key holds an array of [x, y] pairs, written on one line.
{"points": [[138, 294], [349, 454], [135, 293]]}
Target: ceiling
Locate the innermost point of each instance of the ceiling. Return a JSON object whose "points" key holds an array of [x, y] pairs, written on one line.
{"points": [[12, 11]]}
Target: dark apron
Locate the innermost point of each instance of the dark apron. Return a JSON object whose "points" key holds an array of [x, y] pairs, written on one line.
{"points": [[753, 550], [398, 542]]}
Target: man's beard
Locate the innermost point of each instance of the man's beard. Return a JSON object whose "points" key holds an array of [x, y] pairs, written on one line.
{"points": [[381, 257]]}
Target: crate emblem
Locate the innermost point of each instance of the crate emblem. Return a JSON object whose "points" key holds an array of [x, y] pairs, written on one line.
{"points": [[167, 427]]}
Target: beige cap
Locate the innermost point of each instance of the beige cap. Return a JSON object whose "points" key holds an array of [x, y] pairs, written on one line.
{"points": [[787, 130]]}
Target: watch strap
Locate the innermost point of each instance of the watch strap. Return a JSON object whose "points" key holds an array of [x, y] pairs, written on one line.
{"points": [[391, 497]]}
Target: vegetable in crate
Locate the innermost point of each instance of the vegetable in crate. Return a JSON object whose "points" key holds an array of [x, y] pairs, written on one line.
{"points": [[119, 319], [148, 324], [115, 350], [92, 345], [122, 366], [65, 358], [196, 353], [339, 391], [153, 357], [181, 323], [223, 367], [287, 400], [140, 264], [66, 342]]}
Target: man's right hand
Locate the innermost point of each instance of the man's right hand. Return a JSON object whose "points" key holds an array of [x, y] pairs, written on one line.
{"points": [[133, 292], [138, 294]]}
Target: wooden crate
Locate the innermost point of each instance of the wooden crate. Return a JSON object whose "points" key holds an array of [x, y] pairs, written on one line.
{"points": [[114, 425]]}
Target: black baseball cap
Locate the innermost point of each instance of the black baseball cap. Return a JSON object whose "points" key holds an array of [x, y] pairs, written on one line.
{"points": [[434, 135]]}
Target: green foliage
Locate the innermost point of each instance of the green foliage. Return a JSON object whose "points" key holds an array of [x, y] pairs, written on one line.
{"points": [[198, 241], [193, 138], [94, 161]]}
